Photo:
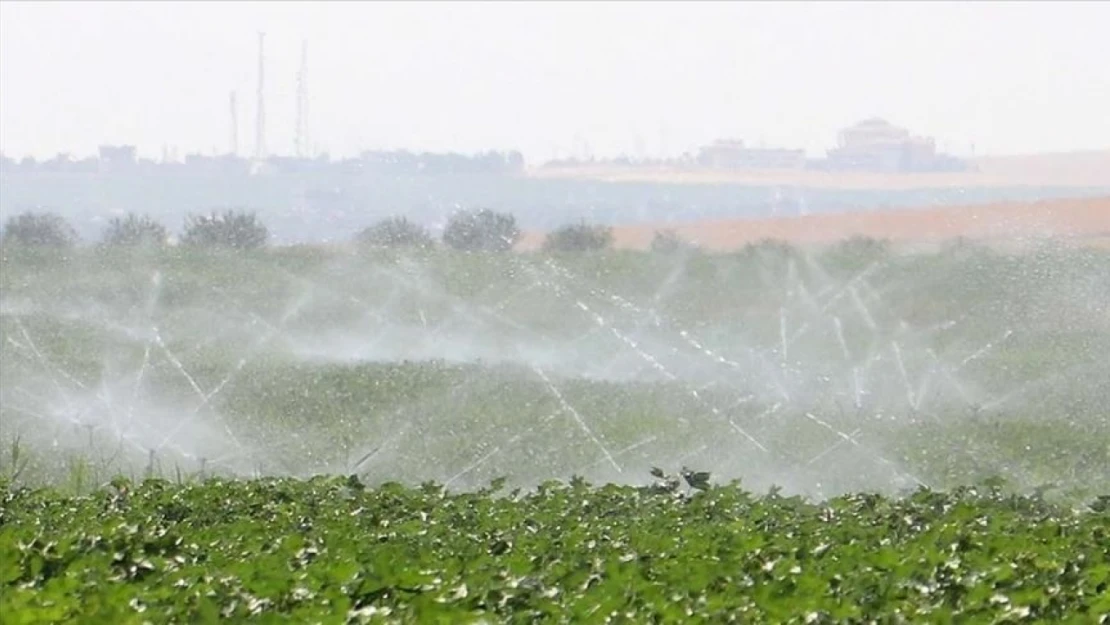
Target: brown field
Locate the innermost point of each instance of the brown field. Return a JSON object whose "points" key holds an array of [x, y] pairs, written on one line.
{"points": [[1085, 220], [1074, 169]]}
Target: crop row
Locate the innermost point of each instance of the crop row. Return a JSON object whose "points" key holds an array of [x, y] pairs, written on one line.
{"points": [[330, 550]]}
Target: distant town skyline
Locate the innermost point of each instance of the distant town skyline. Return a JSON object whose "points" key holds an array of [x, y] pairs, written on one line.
{"points": [[872, 145], [551, 80]]}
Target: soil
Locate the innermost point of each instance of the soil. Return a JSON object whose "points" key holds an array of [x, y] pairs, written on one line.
{"points": [[1084, 220]]}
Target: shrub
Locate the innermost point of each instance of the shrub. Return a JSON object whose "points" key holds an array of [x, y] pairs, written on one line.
{"points": [[963, 247], [857, 251], [859, 245], [668, 242], [135, 231], [40, 230], [770, 249], [579, 238], [232, 229], [481, 231], [395, 232]]}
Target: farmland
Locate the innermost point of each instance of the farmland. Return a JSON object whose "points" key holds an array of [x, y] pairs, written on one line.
{"points": [[332, 551], [829, 373]]}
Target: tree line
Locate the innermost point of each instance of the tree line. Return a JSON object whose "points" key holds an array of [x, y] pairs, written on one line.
{"points": [[476, 230]]}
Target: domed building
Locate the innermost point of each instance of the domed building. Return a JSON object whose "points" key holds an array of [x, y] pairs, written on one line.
{"points": [[877, 145]]}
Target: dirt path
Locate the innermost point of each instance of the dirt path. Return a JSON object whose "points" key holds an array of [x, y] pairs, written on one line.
{"points": [[1087, 219]]}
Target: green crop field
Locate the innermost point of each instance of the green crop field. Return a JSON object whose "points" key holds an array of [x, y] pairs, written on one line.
{"points": [[332, 551], [830, 374]]}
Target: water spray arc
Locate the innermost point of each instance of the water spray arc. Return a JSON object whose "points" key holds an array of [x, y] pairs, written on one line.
{"points": [[824, 375]]}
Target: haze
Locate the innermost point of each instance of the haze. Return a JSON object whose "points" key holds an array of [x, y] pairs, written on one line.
{"points": [[546, 78]]}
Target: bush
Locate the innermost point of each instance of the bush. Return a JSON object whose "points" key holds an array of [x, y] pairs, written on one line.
{"points": [[481, 231], [768, 249], [39, 230], [396, 232], [964, 247], [668, 242], [579, 238], [857, 251], [859, 245], [232, 229], [135, 231]]}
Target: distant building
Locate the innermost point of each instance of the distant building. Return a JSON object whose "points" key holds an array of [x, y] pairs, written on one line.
{"points": [[223, 165], [116, 157], [876, 145], [733, 154], [405, 162]]}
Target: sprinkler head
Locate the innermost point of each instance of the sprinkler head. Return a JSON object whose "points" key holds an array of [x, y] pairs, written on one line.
{"points": [[696, 479]]}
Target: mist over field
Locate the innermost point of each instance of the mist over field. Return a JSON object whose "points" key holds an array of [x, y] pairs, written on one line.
{"points": [[819, 370], [305, 243]]}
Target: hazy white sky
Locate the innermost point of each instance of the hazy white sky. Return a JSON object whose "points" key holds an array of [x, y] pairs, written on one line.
{"points": [[1008, 77]]}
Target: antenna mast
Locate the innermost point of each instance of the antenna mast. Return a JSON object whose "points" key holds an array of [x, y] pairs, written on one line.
{"points": [[302, 144], [260, 137]]}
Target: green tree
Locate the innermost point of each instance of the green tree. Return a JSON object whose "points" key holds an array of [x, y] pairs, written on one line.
{"points": [[39, 229], [580, 237], [395, 232], [135, 231], [481, 231], [668, 242], [232, 229]]}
